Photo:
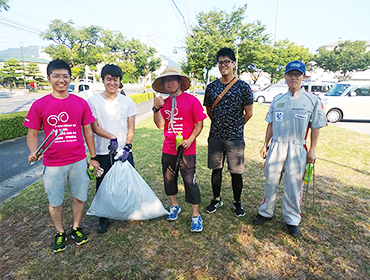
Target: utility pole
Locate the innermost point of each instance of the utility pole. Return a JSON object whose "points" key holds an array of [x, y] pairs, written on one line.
{"points": [[189, 17], [277, 22], [24, 76]]}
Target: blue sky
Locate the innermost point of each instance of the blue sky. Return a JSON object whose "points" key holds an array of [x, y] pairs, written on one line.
{"points": [[309, 23]]}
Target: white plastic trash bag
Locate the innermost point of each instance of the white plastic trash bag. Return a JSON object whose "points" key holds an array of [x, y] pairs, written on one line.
{"points": [[124, 195]]}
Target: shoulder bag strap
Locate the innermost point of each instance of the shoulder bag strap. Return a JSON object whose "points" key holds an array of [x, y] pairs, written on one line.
{"points": [[224, 92]]}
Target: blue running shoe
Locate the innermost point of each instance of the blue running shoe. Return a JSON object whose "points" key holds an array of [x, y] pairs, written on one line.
{"points": [[196, 224], [174, 213]]}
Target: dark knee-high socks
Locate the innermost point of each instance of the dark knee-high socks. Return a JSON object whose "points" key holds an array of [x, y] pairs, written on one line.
{"points": [[216, 182], [237, 184]]}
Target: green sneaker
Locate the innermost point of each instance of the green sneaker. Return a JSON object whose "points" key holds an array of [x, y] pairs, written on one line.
{"points": [[78, 235], [60, 242]]}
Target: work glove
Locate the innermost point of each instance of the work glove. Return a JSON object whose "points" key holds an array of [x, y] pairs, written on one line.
{"points": [[99, 172], [123, 154], [113, 146]]}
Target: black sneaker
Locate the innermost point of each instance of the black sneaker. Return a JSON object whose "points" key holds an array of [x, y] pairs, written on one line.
{"points": [[260, 220], [294, 231], [214, 205], [78, 235], [103, 224], [238, 209], [60, 242]]}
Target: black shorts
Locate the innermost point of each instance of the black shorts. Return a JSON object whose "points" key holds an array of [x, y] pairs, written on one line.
{"points": [[234, 150], [187, 170]]}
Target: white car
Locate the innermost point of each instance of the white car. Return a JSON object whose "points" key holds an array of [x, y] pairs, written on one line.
{"points": [[318, 88], [267, 94], [349, 100], [84, 90]]}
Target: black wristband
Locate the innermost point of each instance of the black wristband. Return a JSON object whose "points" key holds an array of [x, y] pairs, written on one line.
{"points": [[155, 110], [94, 158], [129, 145]]}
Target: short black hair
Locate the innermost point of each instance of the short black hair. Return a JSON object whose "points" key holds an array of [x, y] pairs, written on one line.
{"points": [[113, 70], [58, 64], [226, 52]]}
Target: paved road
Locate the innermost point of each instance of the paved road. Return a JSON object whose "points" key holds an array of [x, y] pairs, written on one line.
{"points": [[15, 172], [358, 126], [18, 103]]}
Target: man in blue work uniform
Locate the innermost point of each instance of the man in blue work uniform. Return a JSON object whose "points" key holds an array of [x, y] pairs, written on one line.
{"points": [[289, 118]]}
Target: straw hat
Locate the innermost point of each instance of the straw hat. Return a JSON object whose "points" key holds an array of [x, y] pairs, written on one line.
{"points": [[170, 71]]}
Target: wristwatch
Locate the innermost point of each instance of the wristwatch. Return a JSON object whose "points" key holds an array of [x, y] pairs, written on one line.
{"points": [[155, 110]]}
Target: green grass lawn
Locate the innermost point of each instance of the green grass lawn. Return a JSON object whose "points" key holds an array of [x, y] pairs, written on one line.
{"points": [[334, 244]]}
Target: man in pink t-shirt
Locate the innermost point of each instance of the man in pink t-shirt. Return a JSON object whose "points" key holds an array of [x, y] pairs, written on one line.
{"points": [[181, 113], [65, 160]]}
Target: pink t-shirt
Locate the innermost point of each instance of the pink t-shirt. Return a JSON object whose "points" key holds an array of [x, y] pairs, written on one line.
{"points": [[188, 111], [69, 114]]}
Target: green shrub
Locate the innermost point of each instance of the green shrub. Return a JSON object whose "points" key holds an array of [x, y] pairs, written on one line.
{"points": [[11, 126], [139, 97], [150, 95]]}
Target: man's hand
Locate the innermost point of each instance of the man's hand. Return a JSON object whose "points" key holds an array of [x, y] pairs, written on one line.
{"points": [[263, 152], [125, 152], [158, 101], [186, 143], [95, 164], [311, 156], [33, 157], [113, 146]]}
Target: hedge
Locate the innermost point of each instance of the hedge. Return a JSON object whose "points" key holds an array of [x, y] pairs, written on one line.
{"points": [[11, 124]]}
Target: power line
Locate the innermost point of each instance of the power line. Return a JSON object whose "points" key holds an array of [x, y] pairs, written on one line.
{"points": [[18, 25], [28, 18], [95, 14], [179, 13]]}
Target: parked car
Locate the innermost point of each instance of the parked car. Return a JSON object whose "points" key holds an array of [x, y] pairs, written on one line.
{"points": [[255, 87], [84, 90], [318, 88], [267, 94], [348, 100]]}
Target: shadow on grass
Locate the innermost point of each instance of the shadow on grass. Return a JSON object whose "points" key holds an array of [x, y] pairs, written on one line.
{"points": [[334, 243]]}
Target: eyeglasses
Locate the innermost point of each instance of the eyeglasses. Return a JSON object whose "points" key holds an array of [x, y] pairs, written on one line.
{"points": [[294, 74], [57, 77], [170, 79], [225, 62]]}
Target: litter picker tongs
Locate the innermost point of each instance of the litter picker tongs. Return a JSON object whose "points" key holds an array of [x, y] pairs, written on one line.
{"points": [[40, 150]]}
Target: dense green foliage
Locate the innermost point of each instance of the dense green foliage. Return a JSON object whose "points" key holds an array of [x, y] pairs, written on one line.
{"points": [[11, 126], [217, 29], [345, 59], [89, 46]]}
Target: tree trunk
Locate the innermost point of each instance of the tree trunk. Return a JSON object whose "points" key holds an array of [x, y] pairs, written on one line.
{"points": [[77, 80], [193, 83], [144, 82]]}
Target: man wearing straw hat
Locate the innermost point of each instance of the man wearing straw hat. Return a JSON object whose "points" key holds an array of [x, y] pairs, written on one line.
{"points": [[289, 118], [181, 113]]}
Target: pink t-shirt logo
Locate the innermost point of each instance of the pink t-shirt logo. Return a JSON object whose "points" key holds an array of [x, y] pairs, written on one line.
{"points": [[53, 119]]}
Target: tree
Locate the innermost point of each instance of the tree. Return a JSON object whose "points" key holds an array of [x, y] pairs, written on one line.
{"points": [[277, 57], [4, 5], [76, 46], [345, 59], [215, 29], [254, 47], [11, 73], [32, 71], [146, 62]]}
